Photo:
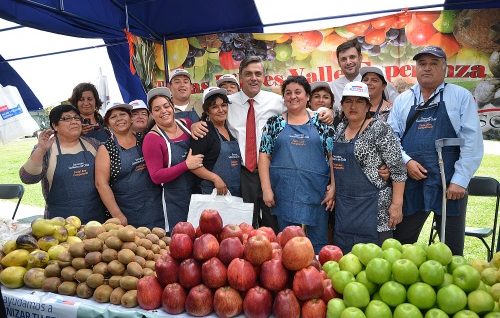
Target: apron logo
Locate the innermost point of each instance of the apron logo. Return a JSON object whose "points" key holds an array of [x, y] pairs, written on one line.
{"points": [[79, 165], [140, 167], [298, 139], [80, 172], [425, 119], [234, 156], [235, 163], [425, 126]]}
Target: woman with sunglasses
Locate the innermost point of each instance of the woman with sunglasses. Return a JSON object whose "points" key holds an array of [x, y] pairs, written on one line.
{"points": [[64, 162]]}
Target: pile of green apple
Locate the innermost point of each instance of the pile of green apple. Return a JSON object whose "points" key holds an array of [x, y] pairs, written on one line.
{"points": [[411, 280]]}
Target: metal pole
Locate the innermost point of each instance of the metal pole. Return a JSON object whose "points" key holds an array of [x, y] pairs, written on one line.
{"points": [[443, 183], [165, 59]]}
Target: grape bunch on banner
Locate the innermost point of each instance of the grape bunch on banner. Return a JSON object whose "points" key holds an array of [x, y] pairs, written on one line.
{"points": [[15, 121]]}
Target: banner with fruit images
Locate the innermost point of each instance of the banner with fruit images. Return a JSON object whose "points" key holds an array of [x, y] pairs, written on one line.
{"points": [[470, 38]]}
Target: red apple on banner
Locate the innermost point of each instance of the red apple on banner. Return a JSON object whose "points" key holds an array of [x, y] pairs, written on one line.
{"points": [[199, 301], [230, 248], [227, 62], [227, 302], [384, 23], [359, 28], [258, 303], [173, 299], [419, 33], [210, 222]]}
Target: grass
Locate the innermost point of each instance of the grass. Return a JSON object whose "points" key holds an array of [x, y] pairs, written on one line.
{"points": [[480, 212]]}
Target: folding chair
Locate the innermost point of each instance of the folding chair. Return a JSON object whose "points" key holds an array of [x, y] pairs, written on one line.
{"points": [[12, 191]]}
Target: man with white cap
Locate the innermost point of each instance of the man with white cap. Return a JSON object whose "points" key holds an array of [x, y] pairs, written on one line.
{"points": [[181, 86], [140, 116], [431, 110], [229, 83]]}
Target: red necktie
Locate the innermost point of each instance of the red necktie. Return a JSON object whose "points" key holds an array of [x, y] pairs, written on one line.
{"points": [[251, 139]]}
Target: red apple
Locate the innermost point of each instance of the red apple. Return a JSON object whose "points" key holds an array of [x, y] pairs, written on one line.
{"points": [[231, 230], [278, 237], [229, 249], [241, 274], [185, 228], [297, 253], [214, 273], [173, 299], [167, 270], [199, 301], [323, 274], [205, 247], [227, 302], [314, 308], [181, 246], [276, 245], [269, 233], [258, 303], [315, 263], [245, 237], [273, 275], [149, 293], [286, 305], [308, 284], [290, 232], [330, 253], [246, 228], [258, 249], [328, 291], [210, 222], [277, 253], [198, 232], [189, 273]]}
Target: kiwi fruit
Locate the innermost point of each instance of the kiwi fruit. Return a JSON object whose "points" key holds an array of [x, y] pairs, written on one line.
{"points": [[102, 293], [92, 245], [79, 263], [162, 244], [148, 271], [93, 231], [129, 282], [150, 264], [64, 258], [129, 299], [153, 238], [156, 248], [52, 270], [109, 255], [114, 242], [143, 230], [166, 239], [77, 249], [115, 221], [157, 257], [84, 291], [67, 288], [109, 227], [93, 258], [146, 243], [116, 268], [141, 251], [114, 281], [104, 235], [159, 232], [116, 296], [95, 280], [126, 234], [150, 255], [126, 256], [68, 274], [140, 260], [101, 268], [134, 269], [130, 245], [81, 275], [51, 284], [139, 235]]}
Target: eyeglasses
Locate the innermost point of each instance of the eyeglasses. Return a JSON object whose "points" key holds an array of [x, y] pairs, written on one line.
{"points": [[75, 118]]}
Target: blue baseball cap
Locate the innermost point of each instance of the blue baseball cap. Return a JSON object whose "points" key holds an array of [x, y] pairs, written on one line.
{"points": [[432, 50]]}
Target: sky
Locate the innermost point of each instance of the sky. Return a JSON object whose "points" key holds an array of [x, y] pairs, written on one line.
{"points": [[52, 78]]}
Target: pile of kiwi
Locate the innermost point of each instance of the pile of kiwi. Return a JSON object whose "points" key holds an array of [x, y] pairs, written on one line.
{"points": [[107, 264]]}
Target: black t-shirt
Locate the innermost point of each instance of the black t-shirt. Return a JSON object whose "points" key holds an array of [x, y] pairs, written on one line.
{"points": [[209, 146]]}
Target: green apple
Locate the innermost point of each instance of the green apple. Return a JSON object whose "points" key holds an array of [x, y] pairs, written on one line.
{"points": [[495, 291], [448, 280], [480, 302], [432, 272], [378, 271], [356, 249], [492, 315], [361, 278], [465, 314], [483, 286], [466, 277], [391, 254], [404, 272], [376, 296], [435, 313], [391, 243], [489, 275], [378, 309], [456, 261], [414, 253], [330, 268], [340, 280], [356, 295], [406, 310], [350, 263], [421, 295], [334, 308], [451, 299], [352, 312], [439, 252], [392, 293], [368, 252]]}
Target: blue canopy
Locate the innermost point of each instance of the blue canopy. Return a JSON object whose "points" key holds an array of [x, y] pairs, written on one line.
{"points": [[161, 19]]}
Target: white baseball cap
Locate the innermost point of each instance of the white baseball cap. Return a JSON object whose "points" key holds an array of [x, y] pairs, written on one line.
{"points": [[179, 72], [159, 91], [372, 69], [138, 104], [356, 89], [212, 91], [112, 106], [227, 78]]}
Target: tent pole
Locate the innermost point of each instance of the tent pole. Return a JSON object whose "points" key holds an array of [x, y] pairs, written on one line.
{"points": [[165, 59], [123, 7]]}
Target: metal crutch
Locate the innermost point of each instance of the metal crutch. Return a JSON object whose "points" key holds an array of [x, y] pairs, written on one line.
{"points": [[440, 143]]}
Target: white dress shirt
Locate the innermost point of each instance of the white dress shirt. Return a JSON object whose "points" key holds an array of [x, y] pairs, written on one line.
{"points": [[266, 104]]}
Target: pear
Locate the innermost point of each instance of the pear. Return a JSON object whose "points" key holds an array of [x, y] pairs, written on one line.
{"points": [[42, 227]]}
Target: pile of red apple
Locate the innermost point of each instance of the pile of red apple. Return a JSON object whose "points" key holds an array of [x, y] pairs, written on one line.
{"points": [[235, 269]]}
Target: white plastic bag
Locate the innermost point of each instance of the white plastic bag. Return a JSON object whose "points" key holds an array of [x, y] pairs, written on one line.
{"points": [[231, 209], [15, 121]]}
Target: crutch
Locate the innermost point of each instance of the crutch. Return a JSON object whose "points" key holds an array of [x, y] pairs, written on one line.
{"points": [[440, 143]]}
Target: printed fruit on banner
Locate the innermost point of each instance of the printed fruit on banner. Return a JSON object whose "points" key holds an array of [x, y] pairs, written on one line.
{"points": [[446, 21], [358, 28], [266, 36], [469, 56], [177, 51], [283, 38], [306, 42], [330, 42], [402, 20], [447, 42], [418, 33], [384, 22], [323, 58], [227, 62], [427, 16], [343, 32]]}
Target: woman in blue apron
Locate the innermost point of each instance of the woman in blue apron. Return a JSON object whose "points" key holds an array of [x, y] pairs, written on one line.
{"points": [[168, 157], [367, 208], [294, 165], [86, 98], [374, 78], [222, 159], [64, 162], [121, 176]]}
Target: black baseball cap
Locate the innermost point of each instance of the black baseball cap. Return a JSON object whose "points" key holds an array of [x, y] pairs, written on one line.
{"points": [[433, 50]]}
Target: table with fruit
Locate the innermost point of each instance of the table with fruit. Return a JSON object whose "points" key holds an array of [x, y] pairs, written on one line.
{"points": [[66, 269]]}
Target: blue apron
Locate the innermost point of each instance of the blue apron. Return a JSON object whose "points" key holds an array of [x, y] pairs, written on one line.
{"points": [[177, 193], [73, 190], [299, 176], [227, 166], [426, 195], [356, 199], [100, 134], [139, 199], [192, 115]]}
